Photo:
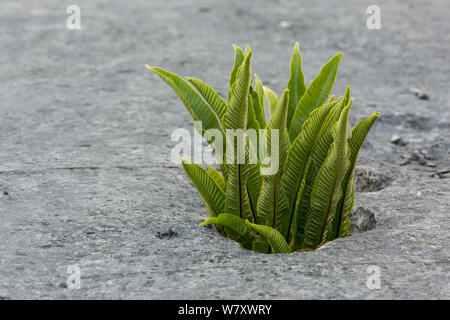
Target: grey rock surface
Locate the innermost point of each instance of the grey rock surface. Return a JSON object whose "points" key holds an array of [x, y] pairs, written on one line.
{"points": [[85, 169]]}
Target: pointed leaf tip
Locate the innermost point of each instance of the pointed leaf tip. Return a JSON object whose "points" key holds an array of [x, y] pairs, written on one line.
{"points": [[185, 160], [346, 110], [152, 68], [149, 67], [337, 57]]}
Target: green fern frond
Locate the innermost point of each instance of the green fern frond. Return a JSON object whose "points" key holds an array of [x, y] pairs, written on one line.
{"points": [[238, 230], [212, 97], [273, 237], [271, 99], [297, 164], [341, 223], [296, 84], [315, 95], [327, 188], [272, 203]]}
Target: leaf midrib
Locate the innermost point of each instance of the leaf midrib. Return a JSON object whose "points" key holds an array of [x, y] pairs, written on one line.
{"points": [[251, 205], [239, 189]]}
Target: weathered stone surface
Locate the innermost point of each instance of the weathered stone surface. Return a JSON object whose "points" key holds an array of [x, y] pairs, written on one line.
{"points": [[85, 171]]}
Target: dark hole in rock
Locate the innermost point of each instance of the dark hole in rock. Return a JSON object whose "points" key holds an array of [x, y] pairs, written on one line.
{"points": [[371, 178], [361, 220]]}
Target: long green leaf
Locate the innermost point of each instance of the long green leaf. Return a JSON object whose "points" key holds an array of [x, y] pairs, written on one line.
{"points": [[272, 203], [273, 236], [230, 221], [237, 112], [240, 231], [237, 201], [315, 95], [238, 59], [341, 222], [240, 198], [298, 160], [252, 122], [197, 107], [296, 83], [212, 97], [318, 155], [211, 193], [258, 94], [217, 177], [327, 188], [271, 99]]}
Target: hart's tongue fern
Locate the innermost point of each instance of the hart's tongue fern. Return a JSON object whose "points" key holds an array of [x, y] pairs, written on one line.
{"points": [[308, 200]]}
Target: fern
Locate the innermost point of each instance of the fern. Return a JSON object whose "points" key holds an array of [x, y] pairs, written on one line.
{"points": [[308, 200]]}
